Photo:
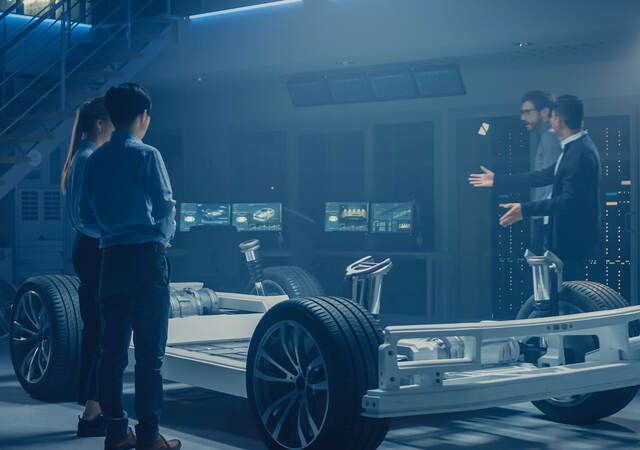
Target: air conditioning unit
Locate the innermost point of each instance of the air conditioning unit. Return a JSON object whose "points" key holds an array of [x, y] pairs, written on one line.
{"points": [[6, 265]]}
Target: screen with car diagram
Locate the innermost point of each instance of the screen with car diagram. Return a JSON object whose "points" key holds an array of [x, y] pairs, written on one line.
{"points": [[257, 216], [199, 214], [391, 217], [346, 216]]}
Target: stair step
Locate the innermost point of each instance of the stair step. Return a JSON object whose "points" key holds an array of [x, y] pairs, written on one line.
{"points": [[101, 75], [27, 137], [139, 37], [14, 159], [61, 115], [126, 55], [148, 37]]}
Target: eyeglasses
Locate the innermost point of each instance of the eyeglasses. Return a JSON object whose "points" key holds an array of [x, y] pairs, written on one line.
{"points": [[526, 112]]}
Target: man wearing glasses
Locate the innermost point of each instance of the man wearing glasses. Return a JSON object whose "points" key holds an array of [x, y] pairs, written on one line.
{"points": [[535, 113], [544, 146]]}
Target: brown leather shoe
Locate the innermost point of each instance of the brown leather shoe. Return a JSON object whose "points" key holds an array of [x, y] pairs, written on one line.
{"points": [[123, 444], [162, 443]]}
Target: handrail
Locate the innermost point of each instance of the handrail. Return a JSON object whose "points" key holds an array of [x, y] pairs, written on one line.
{"points": [[70, 72], [16, 72], [31, 26], [41, 74], [10, 10]]}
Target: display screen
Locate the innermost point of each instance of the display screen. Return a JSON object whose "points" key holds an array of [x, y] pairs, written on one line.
{"points": [[391, 217], [257, 216], [199, 214], [346, 216]]}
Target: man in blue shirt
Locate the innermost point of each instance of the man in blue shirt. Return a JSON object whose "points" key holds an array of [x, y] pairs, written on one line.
{"points": [[127, 200]]}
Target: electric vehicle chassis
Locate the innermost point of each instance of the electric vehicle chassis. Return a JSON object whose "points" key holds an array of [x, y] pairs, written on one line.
{"points": [[320, 372]]}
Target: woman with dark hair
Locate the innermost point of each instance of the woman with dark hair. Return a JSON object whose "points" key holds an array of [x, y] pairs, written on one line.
{"points": [[91, 129]]}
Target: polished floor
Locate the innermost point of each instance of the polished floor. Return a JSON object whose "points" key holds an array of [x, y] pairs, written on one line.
{"points": [[208, 420]]}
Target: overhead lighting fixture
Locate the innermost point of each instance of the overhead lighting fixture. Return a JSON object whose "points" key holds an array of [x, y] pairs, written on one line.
{"points": [[484, 129], [243, 8]]}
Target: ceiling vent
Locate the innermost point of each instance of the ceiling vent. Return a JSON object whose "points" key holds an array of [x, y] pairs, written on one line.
{"points": [[373, 84]]}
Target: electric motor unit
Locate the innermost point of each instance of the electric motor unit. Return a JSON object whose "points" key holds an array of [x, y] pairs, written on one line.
{"points": [[193, 302]]}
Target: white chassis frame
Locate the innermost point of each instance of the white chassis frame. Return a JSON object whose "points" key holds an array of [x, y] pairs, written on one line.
{"points": [[429, 386], [209, 371]]}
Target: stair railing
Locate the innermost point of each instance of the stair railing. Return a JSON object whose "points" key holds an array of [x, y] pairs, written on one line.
{"points": [[65, 74], [44, 47]]}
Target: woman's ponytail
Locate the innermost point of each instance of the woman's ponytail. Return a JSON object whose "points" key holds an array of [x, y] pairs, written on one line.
{"points": [[86, 117]]}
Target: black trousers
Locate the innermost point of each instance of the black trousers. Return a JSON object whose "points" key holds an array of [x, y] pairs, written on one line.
{"points": [[134, 297], [86, 262]]}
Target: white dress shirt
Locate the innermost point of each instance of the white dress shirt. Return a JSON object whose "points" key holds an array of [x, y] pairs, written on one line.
{"points": [[563, 143]]}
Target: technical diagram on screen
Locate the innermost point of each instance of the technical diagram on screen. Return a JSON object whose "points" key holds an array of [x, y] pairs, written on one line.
{"points": [[346, 216], [392, 217], [257, 216], [199, 214]]}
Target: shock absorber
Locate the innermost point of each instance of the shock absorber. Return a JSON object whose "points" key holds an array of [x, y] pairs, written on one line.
{"points": [[254, 263], [547, 282]]}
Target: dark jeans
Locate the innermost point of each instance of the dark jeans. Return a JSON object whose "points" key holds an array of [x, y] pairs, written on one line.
{"points": [[86, 262], [134, 296]]}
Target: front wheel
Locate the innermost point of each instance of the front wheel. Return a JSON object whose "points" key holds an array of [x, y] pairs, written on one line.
{"points": [[310, 362], [577, 297], [45, 334]]}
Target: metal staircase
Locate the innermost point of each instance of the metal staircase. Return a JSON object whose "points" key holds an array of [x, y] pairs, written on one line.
{"points": [[51, 62]]}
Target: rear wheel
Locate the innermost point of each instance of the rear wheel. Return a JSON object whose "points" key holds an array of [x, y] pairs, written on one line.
{"points": [[45, 333], [310, 362], [579, 297], [288, 280]]}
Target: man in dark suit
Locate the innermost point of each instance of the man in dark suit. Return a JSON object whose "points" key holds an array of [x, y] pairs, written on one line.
{"points": [[574, 204]]}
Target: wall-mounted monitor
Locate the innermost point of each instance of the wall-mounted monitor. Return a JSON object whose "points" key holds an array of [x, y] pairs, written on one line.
{"points": [[257, 216], [392, 217], [199, 214], [346, 216]]}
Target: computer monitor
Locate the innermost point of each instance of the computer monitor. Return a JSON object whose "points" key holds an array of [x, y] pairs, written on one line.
{"points": [[200, 214], [346, 216], [257, 216], [392, 217]]}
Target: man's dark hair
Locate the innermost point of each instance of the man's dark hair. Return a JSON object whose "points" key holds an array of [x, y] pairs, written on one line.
{"points": [[540, 99], [126, 102], [571, 109]]}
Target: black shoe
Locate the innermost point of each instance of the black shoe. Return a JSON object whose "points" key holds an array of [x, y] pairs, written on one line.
{"points": [[124, 443], [92, 428]]}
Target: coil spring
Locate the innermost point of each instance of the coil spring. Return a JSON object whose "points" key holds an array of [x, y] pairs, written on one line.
{"points": [[255, 270]]}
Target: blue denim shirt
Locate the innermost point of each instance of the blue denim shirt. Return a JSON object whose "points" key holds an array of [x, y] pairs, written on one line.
{"points": [[127, 193], [75, 181]]}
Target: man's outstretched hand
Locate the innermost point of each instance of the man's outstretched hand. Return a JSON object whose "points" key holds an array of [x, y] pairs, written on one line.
{"points": [[513, 215], [484, 179]]}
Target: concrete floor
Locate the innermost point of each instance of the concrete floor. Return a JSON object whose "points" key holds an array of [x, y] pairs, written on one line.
{"points": [[208, 420]]}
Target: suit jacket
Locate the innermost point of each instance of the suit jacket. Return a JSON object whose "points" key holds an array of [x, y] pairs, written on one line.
{"points": [[574, 207]]}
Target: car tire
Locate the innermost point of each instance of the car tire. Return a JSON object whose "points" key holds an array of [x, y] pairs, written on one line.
{"points": [[315, 380], [7, 295], [45, 335], [576, 297], [290, 280]]}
